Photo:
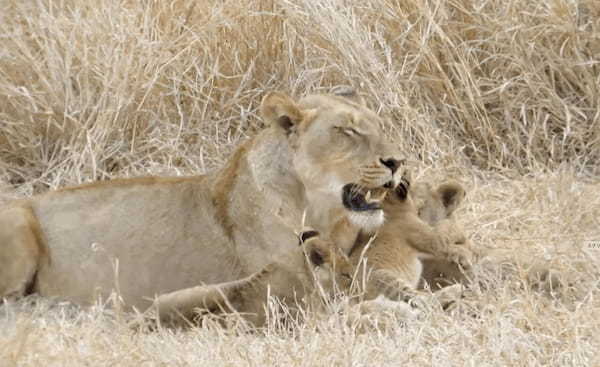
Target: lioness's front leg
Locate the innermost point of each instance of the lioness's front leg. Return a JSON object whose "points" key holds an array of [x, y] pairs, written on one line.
{"points": [[186, 304]]}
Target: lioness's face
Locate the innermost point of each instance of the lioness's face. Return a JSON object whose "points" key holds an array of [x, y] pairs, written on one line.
{"points": [[339, 151]]}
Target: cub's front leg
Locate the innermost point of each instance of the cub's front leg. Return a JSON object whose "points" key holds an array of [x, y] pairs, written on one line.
{"points": [[396, 287], [440, 242], [393, 286], [185, 305]]}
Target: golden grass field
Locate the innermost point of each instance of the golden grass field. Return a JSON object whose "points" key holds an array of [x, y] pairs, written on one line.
{"points": [[502, 95]]}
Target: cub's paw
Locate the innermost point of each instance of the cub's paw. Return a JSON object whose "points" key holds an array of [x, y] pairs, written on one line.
{"points": [[379, 314], [448, 296], [403, 188], [460, 255]]}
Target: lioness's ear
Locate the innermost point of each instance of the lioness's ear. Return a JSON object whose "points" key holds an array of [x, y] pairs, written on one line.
{"points": [[451, 194], [348, 92], [277, 109]]}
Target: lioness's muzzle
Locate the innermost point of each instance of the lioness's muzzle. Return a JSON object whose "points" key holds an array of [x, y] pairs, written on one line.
{"points": [[354, 199]]}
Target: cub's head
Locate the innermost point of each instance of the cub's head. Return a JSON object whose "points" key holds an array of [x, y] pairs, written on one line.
{"points": [[338, 149], [436, 204], [330, 267]]}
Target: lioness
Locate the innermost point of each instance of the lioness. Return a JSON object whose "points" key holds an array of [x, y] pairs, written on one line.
{"points": [[149, 236], [317, 266]]}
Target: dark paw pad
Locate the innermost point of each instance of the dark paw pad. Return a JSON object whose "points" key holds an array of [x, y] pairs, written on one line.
{"points": [[402, 188]]}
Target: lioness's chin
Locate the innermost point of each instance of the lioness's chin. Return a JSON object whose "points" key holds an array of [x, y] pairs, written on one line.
{"points": [[368, 221]]}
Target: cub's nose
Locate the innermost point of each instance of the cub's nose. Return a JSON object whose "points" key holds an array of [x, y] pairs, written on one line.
{"points": [[391, 163]]}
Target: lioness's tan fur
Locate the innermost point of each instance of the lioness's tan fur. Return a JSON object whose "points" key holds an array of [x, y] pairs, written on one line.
{"points": [[149, 236]]}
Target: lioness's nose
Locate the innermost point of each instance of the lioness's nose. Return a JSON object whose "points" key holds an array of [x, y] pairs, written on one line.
{"points": [[391, 163]]}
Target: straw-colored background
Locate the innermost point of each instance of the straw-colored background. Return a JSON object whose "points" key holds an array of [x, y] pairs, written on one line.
{"points": [[503, 95]]}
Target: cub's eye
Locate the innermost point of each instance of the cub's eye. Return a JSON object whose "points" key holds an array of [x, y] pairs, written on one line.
{"points": [[346, 276]]}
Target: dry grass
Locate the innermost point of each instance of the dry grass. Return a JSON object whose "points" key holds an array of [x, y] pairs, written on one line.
{"points": [[503, 94]]}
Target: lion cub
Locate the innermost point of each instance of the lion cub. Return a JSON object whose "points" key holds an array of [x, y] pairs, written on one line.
{"points": [[395, 256], [317, 269]]}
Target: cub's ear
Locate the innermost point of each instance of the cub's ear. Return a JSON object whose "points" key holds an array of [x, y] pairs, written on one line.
{"points": [[451, 194], [307, 235], [316, 255], [318, 251], [277, 109], [349, 92]]}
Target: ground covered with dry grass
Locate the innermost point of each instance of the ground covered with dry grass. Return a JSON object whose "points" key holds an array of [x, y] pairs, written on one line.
{"points": [[503, 95]]}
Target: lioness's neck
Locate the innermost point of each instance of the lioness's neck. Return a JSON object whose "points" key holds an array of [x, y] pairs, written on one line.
{"points": [[271, 164], [258, 182]]}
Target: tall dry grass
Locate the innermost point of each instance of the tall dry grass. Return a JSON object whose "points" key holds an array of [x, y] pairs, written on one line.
{"points": [[93, 89], [502, 94]]}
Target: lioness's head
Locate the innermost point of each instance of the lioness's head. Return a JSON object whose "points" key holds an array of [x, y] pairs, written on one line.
{"points": [[339, 149]]}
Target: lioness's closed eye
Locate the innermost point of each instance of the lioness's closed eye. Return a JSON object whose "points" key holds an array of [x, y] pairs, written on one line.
{"points": [[208, 229]]}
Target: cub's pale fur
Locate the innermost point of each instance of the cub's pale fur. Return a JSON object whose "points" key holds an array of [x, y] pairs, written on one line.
{"points": [[410, 235], [435, 206], [149, 236], [418, 226], [421, 244], [315, 268]]}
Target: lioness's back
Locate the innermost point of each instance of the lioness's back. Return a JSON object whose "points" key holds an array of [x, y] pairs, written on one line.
{"points": [[148, 224]]}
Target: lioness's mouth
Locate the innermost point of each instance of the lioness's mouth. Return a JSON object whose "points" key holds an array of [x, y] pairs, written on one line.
{"points": [[358, 199]]}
